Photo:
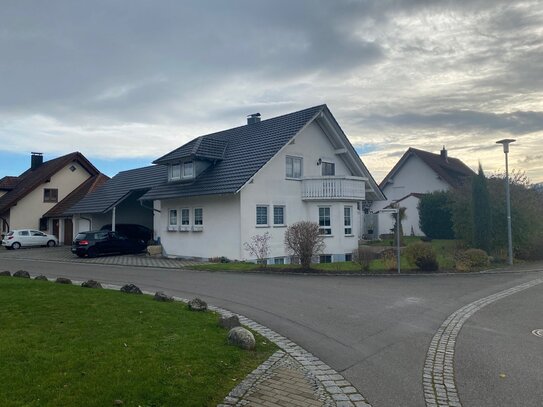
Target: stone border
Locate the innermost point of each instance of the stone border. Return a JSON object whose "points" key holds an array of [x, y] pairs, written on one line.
{"points": [[438, 376]]}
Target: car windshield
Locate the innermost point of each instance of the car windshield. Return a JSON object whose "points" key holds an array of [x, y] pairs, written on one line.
{"points": [[81, 236]]}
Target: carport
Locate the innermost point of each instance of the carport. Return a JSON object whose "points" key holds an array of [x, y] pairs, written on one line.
{"points": [[117, 201]]}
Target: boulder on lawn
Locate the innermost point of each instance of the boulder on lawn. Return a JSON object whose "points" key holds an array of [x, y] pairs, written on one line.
{"points": [[5, 273], [197, 304], [130, 289], [21, 274], [160, 296], [41, 277], [241, 338], [63, 280], [91, 284], [229, 322]]}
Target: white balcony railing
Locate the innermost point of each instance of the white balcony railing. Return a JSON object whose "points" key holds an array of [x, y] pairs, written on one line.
{"points": [[334, 188]]}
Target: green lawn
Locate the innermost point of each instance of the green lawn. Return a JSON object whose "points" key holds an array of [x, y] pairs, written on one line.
{"points": [[71, 346]]}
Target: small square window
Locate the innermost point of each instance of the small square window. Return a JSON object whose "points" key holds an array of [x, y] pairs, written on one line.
{"points": [[294, 167], [185, 217], [278, 215], [198, 216], [50, 195], [348, 257], [73, 168], [328, 169], [175, 171], [325, 258], [188, 169], [262, 215]]}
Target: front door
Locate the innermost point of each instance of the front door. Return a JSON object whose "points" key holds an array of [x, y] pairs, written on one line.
{"points": [[56, 226], [68, 231]]}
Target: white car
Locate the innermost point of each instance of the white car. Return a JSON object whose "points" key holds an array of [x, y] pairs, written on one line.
{"points": [[28, 237]]}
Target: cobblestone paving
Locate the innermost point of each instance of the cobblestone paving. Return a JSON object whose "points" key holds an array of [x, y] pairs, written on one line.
{"points": [[438, 376], [63, 254]]}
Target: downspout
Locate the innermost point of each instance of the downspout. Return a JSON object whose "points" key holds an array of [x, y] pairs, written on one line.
{"points": [[113, 215]]}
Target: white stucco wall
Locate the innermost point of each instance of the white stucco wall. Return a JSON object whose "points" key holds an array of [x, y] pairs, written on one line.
{"points": [[29, 210], [270, 187], [221, 227]]}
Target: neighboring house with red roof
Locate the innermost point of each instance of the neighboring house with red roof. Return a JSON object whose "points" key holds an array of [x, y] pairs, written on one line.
{"points": [[416, 173], [37, 198]]}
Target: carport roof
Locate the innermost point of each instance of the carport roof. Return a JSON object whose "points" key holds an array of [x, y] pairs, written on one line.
{"points": [[117, 188]]}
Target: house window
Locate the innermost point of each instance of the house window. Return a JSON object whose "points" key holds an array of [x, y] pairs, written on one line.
{"points": [[279, 260], [325, 258], [50, 195], [294, 167], [278, 215], [185, 217], [328, 168], [261, 215], [43, 223], [325, 227], [175, 171], [347, 219], [198, 216], [172, 217], [348, 257], [188, 169]]}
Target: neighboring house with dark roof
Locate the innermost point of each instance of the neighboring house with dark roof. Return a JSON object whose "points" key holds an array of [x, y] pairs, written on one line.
{"points": [[211, 195], [35, 198], [416, 173]]}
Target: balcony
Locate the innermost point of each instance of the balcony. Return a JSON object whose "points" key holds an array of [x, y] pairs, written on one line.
{"points": [[340, 188]]}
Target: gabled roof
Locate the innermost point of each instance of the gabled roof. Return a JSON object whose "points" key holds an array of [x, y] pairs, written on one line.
{"points": [[451, 170], [87, 187], [8, 182], [33, 178], [117, 188], [247, 149], [203, 148]]}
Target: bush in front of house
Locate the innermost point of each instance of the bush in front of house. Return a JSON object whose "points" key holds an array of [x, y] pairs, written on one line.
{"points": [[304, 241], [423, 256], [363, 256], [471, 259]]}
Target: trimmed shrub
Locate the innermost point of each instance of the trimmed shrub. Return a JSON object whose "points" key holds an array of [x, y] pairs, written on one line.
{"points": [[471, 259], [422, 255]]}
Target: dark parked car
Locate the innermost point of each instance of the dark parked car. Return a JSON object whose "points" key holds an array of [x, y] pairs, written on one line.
{"points": [[93, 243], [132, 231]]}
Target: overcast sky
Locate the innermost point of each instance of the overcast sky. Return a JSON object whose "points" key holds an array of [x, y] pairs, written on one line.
{"points": [[126, 81]]}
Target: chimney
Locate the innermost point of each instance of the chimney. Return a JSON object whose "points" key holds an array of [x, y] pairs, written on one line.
{"points": [[444, 153], [253, 118], [36, 159]]}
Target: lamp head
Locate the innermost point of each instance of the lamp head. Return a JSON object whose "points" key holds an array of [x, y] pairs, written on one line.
{"points": [[505, 142]]}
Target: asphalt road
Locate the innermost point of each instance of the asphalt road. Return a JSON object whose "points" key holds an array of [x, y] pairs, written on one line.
{"points": [[374, 330]]}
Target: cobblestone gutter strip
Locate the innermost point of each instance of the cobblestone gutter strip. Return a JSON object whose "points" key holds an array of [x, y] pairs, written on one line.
{"points": [[438, 377]]}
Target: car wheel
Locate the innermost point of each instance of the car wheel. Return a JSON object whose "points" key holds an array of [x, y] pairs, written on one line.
{"points": [[51, 243], [16, 246], [92, 252]]}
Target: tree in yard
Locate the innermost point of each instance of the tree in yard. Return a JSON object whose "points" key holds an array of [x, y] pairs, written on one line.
{"points": [[481, 210], [259, 247], [403, 217], [303, 240], [435, 217]]}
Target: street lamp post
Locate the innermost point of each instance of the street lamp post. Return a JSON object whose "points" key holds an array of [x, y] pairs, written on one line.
{"points": [[505, 143]]}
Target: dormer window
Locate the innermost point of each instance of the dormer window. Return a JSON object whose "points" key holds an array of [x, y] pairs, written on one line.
{"points": [[175, 172], [188, 169]]}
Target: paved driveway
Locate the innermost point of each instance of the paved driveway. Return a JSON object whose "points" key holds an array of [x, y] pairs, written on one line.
{"points": [[374, 330]]}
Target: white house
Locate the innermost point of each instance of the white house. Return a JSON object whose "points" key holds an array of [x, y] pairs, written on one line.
{"points": [[211, 195], [416, 173]]}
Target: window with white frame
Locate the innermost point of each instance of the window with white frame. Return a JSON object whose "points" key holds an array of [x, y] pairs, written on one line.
{"points": [[294, 167], [198, 216], [175, 172], [185, 217], [279, 215], [348, 219], [325, 258], [325, 226], [279, 260], [188, 169], [328, 168], [172, 217], [262, 215]]}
